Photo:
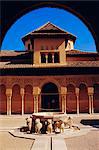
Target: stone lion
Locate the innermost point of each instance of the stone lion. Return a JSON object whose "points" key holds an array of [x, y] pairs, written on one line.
{"points": [[38, 126]]}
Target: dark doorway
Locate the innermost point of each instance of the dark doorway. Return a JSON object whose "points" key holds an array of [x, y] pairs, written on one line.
{"points": [[50, 98]]}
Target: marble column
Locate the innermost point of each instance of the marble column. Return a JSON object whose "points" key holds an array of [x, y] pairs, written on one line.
{"points": [[36, 92], [9, 96], [77, 95], [52, 57], [90, 94], [35, 97], [22, 95], [46, 56]]}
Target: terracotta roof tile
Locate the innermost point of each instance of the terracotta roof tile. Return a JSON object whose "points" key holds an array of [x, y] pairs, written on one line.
{"points": [[74, 51], [48, 27], [68, 64], [11, 53]]}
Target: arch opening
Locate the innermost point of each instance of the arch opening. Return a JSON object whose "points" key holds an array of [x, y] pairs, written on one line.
{"points": [[16, 102], [71, 100], [28, 100], [61, 8], [96, 98], [50, 98], [3, 100], [83, 99]]}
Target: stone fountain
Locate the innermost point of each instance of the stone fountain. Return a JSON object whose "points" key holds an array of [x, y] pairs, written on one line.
{"points": [[48, 122]]}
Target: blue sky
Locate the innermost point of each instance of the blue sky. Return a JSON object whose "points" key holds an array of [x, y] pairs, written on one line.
{"points": [[38, 17]]}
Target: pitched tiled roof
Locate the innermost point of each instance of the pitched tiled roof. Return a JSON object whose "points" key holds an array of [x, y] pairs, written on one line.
{"points": [[74, 51], [16, 53], [49, 28], [68, 64], [11, 53]]}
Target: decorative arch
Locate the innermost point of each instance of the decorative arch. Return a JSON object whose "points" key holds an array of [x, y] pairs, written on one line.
{"points": [[70, 83], [50, 97], [67, 7], [3, 99], [71, 99], [16, 102], [54, 81], [96, 98], [28, 100], [83, 99]]}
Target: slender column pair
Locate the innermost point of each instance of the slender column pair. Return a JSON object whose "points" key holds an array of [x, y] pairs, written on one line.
{"points": [[90, 95]]}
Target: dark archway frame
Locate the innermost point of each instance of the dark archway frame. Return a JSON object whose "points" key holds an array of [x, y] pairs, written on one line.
{"points": [[73, 7], [50, 98]]}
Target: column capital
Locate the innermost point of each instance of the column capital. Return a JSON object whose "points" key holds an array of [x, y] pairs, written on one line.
{"points": [[63, 90], [22, 91], [35, 103], [36, 90], [9, 92], [77, 91], [90, 90]]}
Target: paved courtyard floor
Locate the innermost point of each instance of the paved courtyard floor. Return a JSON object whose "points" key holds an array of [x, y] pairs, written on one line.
{"points": [[8, 142], [89, 141]]}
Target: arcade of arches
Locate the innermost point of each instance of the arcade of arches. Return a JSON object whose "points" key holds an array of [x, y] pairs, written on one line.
{"points": [[70, 99]]}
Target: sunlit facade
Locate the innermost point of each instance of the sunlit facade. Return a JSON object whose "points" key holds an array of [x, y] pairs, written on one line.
{"points": [[49, 76]]}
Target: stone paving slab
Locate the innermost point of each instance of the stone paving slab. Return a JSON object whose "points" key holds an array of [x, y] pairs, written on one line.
{"points": [[9, 142], [89, 141], [42, 143], [58, 143]]}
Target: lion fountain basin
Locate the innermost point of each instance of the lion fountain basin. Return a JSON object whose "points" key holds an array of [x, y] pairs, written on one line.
{"points": [[44, 116]]}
